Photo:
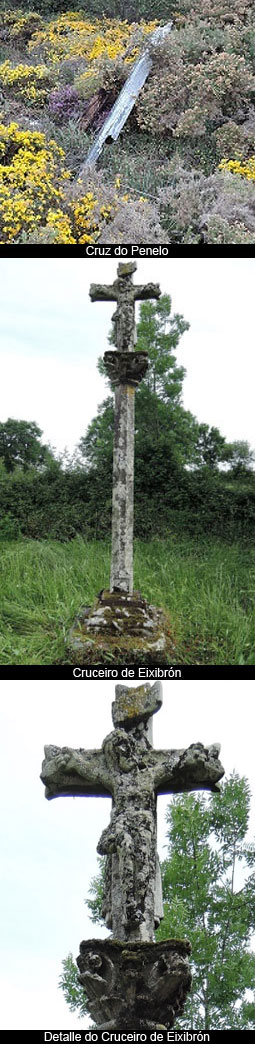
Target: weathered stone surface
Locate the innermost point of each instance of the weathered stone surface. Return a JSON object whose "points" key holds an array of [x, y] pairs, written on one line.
{"points": [[134, 986], [122, 626], [126, 367], [134, 706], [133, 773], [130, 980]]}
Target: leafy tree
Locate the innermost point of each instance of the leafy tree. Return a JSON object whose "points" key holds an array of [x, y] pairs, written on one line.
{"points": [[205, 901], [241, 458], [211, 447], [20, 445], [208, 888]]}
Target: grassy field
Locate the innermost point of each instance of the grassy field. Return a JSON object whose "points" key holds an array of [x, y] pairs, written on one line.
{"points": [[207, 588]]}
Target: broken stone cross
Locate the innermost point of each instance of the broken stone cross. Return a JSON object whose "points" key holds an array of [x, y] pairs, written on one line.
{"points": [[130, 980], [125, 369]]}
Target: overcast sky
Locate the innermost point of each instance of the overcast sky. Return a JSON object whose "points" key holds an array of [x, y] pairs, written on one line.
{"points": [[52, 336], [50, 847]]}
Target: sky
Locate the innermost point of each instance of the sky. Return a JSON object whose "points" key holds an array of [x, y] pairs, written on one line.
{"points": [[52, 336], [50, 846]]}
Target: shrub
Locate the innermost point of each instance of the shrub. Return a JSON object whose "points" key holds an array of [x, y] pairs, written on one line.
{"points": [[63, 103], [244, 169], [29, 82], [194, 207], [9, 528], [18, 27], [32, 179]]}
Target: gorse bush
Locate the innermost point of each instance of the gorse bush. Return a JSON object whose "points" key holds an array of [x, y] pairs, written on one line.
{"points": [[31, 82]]}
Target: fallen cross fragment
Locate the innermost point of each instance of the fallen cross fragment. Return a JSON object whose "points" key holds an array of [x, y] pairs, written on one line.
{"points": [[126, 100]]}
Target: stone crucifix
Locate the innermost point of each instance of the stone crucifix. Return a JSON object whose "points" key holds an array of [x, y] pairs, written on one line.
{"points": [[133, 773], [126, 368]]}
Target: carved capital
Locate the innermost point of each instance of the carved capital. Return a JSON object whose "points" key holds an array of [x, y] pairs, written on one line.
{"points": [[126, 367], [135, 985]]}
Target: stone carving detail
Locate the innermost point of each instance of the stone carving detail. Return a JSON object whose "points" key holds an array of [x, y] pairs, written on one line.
{"points": [[133, 773], [134, 987], [126, 294], [126, 367]]}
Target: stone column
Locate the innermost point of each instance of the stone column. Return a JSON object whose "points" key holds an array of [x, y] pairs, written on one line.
{"points": [[123, 490]]}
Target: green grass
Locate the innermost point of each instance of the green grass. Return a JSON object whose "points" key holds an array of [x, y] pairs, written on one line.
{"points": [[207, 587]]}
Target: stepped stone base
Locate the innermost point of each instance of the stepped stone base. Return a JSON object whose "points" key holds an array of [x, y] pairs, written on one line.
{"points": [[134, 986], [120, 625]]}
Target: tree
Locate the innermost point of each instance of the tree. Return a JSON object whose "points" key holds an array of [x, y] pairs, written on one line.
{"points": [[205, 901], [208, 889], [211, 447], [20, 445], [241, 459], [165, 432]]}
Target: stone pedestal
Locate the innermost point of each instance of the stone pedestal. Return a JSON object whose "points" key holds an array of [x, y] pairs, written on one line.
{"points": [[134, 986], [121, 627]]}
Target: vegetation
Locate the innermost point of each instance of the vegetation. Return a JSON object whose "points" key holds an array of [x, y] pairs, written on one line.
{"points": [[195, 557], [206, 586], [183, 169], [204, 900]]}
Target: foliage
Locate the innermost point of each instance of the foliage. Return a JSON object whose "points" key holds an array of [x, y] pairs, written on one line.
{"points": [[245, 170], [63, 102], [31, 82], [20, 445], [206, 847], [34, 195], [206, 585], [74, 36], [28, 162], [195, 111], [195, 207], [204, 901], [9, 528], [211, 447]]}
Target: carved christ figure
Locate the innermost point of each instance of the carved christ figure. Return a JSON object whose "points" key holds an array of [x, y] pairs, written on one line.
{"points": [[126, 294], [128, 769]]}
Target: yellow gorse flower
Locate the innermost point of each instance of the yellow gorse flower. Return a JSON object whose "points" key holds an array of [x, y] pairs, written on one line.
{"points": [[245, 168]]}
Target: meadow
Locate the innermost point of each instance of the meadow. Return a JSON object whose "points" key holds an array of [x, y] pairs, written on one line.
{"points": [[207, 588]]}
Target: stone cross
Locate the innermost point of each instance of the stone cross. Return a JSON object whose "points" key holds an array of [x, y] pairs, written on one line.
{"points": [[125, 367], [128, 769]]}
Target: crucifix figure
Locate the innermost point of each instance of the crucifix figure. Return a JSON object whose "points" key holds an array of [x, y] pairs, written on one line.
{"points": [[126, 368], [133, 773]]}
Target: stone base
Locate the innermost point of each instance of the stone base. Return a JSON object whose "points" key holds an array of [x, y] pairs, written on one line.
{"points": [[120, 626], [134, 986]]}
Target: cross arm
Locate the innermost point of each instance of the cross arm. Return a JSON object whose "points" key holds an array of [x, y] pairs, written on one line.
{"points": [[143, 293], [103, 292], [66, 771], [197, 768]]}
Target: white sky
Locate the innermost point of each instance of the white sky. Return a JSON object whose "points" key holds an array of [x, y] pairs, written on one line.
{"points": [[50, 847], [52, 336]]}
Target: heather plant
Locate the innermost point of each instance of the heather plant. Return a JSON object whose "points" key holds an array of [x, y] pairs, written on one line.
{"points": [[134, 222], [63, 103], [193, 206], [234, 140]]}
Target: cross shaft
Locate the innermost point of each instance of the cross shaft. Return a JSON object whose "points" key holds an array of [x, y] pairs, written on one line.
{"points": [[125, 369]]}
